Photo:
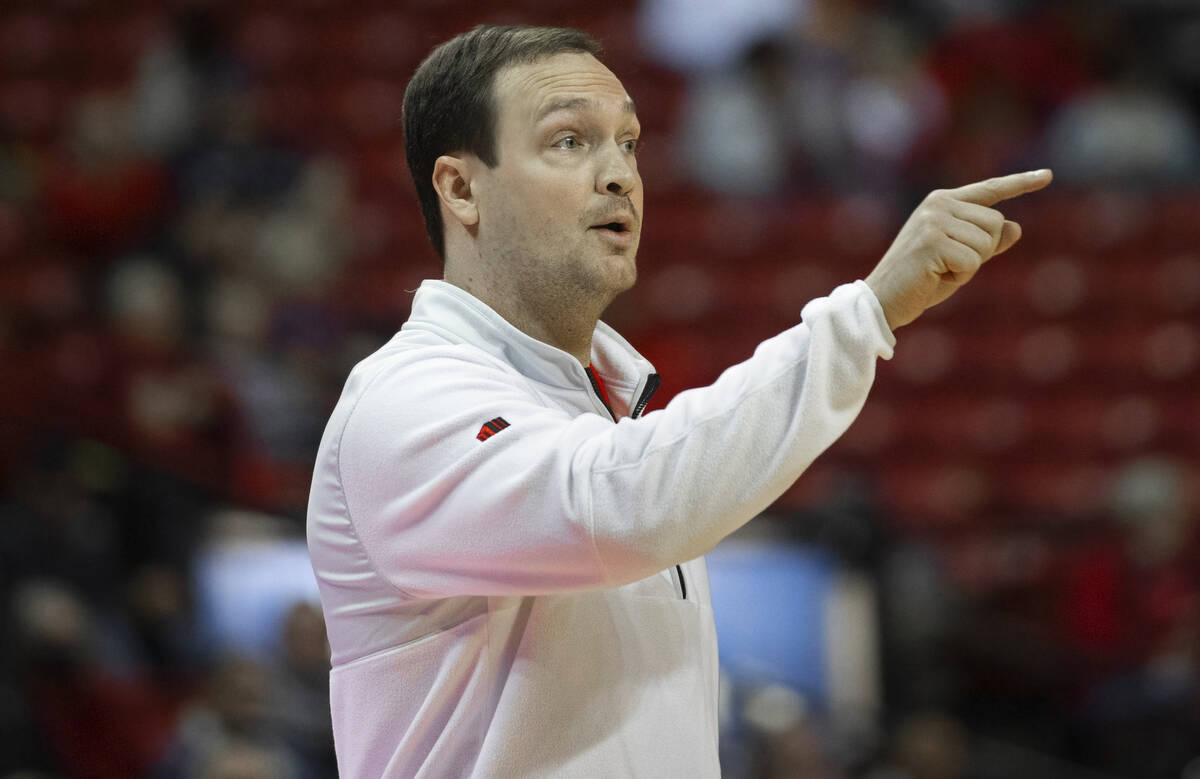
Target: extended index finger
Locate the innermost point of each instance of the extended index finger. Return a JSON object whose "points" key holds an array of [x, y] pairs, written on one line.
{"points": [[991, 191]]}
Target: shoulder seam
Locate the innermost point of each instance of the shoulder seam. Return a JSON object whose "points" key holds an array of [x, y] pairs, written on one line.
{"points": [[346, 498]]}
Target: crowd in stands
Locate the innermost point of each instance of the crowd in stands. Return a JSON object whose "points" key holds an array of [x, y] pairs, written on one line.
{"points": [[205, 221]]}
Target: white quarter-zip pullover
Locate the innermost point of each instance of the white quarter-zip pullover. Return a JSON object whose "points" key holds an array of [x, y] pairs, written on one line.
{"points": [[513, 582]]}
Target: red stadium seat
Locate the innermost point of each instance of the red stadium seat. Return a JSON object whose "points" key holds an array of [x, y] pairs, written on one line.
{"points": [[368, 107], [935, 494], [1047, 487], [927, 354], [271, 41], [291, 109], [1177, 283], [388, 42], [1175, 226]]}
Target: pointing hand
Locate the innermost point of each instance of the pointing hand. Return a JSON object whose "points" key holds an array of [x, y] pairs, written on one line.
{"points": [[945, 241]]}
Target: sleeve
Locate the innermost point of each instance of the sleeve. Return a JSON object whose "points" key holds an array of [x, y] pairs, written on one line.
{"points": [[556, 502]]}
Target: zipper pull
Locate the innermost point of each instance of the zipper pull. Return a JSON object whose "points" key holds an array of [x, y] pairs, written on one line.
{"points": [[652, 384]]}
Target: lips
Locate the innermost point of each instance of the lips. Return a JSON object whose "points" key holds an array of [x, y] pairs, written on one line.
{"points": [[616, 224]]}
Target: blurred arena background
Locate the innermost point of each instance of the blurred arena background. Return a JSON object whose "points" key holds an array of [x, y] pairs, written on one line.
{"points": [[205, 220]]}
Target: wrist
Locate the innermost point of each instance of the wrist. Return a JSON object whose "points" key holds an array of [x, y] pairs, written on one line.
{"points": [[877, 287]]}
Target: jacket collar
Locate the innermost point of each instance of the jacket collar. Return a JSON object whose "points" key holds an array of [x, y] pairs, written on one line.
{"points": [[455, 314]]}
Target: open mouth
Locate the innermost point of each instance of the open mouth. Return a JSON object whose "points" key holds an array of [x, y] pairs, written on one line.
{"points": [[618, 226]]}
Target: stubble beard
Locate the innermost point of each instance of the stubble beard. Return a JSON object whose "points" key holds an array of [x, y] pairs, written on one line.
{"points": [[572, 280]]}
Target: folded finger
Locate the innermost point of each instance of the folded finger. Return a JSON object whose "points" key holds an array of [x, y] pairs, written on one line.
{"points": [[960, 261], [1010, 234], [988, 219], [972, 235]]}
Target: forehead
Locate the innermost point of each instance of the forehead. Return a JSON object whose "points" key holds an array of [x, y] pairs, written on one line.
{"points": [[526, 90]]}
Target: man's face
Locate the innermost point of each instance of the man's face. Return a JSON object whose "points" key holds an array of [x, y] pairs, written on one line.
{"points": [[562, 208]]}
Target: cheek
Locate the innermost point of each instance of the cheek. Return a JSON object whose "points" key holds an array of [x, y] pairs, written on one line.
{"points": [[537, 201], [532, 220], [552, 199]]}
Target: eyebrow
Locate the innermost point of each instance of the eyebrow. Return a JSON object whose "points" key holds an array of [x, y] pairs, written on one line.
{"points": [[577, 104]]}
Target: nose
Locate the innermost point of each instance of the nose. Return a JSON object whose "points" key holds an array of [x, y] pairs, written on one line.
{"points": [[617, 174]]}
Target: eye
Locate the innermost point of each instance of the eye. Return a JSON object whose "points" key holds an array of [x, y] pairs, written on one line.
{"points": [[630, 146], [569, 142]]}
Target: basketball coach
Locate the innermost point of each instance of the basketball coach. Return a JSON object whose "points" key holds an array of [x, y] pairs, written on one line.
{"points": [[509, 552]]}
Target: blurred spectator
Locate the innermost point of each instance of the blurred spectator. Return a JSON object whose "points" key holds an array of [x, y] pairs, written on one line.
{"points": [[893, 108], [95, 723], [176, 79], [102, 195], [1131, 607], [1130, 590], [1004, 68], [229, 160], [698, 37], [1129, 130], [927, 745], [170, 407], [740, 124], [792, 741], [932, 746], [233, 716], [244, 760], [843, 104], [162, 626], [56, 523], [920, 609], [300, 700]]}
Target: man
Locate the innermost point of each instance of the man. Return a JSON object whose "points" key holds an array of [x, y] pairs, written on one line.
{"points": [[509, 554]]}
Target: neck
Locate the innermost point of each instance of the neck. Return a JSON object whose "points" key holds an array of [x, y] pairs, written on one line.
{"points": [[553, 316]]}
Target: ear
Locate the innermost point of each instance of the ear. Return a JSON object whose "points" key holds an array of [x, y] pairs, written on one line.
{"points": [[452, 182]]}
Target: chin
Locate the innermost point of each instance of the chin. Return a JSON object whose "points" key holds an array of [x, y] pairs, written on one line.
{"points": [[621, 272], [629, 281]]}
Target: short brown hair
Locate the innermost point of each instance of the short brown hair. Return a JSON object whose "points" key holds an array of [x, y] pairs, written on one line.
{"points": [[448, 105]]}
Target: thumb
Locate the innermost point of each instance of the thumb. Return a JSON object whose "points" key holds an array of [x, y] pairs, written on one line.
{"points": [[1009, 234]]}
